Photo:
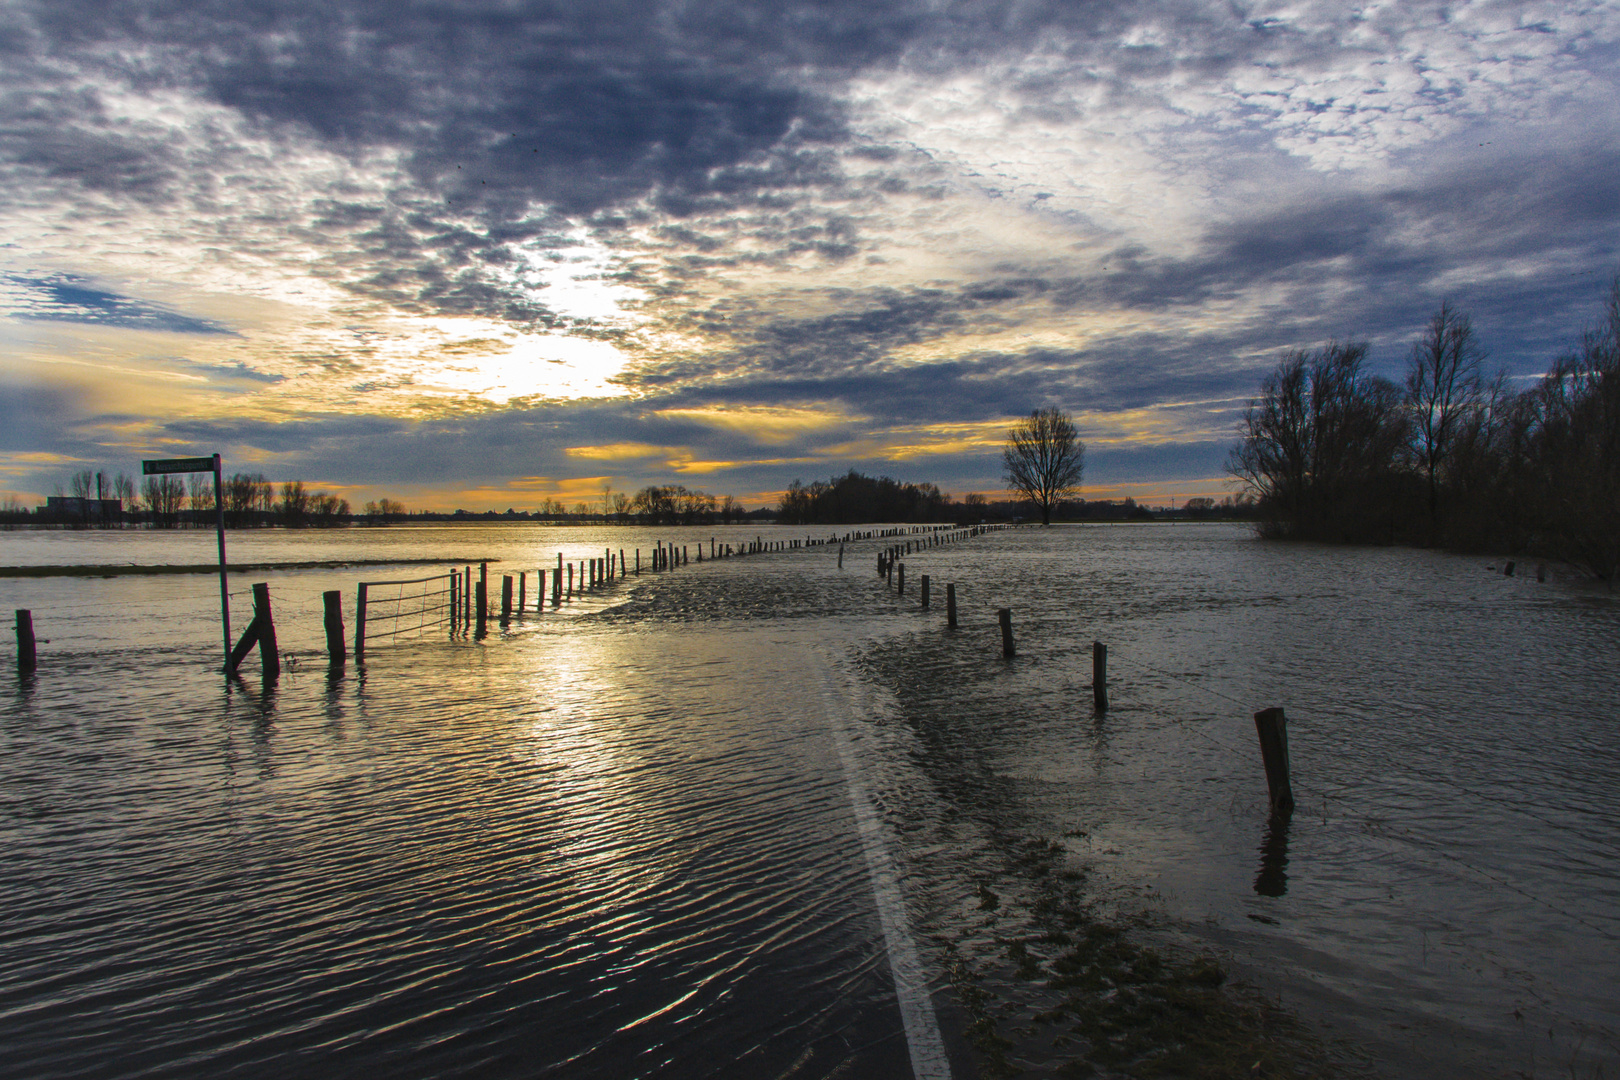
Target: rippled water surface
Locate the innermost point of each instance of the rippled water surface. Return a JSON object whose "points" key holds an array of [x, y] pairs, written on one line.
{"points": [[619, 839]]}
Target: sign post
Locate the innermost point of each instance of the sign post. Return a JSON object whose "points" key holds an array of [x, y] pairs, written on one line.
{"points": [[213, 465]]}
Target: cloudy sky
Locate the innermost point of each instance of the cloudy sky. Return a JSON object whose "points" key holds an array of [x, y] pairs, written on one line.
{"points": [[484, 252]]}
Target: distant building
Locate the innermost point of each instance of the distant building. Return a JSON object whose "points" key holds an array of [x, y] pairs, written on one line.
{"points": [[71, 508]]}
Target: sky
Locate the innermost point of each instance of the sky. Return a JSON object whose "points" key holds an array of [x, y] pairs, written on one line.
{"points": [[481, 253]]}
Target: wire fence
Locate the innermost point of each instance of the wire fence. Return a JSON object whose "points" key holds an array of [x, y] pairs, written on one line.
{"points": [[386, 611]]}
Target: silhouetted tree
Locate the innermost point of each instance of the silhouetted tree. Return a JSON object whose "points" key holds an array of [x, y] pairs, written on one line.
{"points": [[1443, 389], [1321, 447], [1044, 459]]}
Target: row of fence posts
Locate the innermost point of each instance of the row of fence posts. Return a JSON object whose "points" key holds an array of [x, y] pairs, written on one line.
{"points": [[1271, 724]]}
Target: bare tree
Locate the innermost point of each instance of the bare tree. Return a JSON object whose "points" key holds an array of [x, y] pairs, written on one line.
{"points": [[200, 496], [294, 506], [164, 495], [1320, 446], [1442, 388], [1044, 459]]}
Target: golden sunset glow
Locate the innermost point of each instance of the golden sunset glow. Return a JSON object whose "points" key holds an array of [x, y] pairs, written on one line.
{"points": [[404, 296]]}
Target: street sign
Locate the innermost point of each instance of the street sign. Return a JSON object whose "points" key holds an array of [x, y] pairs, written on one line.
{"points": [[177, 464], [216, 466]]}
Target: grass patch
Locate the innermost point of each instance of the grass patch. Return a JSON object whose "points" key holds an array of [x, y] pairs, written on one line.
{"points": [[1078, 996]]}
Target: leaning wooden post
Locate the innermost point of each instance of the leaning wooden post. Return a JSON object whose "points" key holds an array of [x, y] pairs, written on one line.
{"points": [[335, 652], [269, 657], [1005, 615], [950, 604], [27, 658], [506, 599], [1099, 675], [360, 621], [1273, 728], [925, 591]]}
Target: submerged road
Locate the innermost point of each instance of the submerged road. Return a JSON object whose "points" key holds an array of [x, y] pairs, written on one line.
{"points": [[610, 849]]}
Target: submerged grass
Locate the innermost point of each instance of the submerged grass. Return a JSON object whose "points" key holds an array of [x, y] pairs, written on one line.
{"points": [[1071, 994]]}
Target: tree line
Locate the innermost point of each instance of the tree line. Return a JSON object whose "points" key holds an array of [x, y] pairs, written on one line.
{"points": [[856, 497], [1450, 456], [174, 500]]}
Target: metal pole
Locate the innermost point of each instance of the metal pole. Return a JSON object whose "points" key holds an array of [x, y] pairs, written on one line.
{"points": [[224, 584]]}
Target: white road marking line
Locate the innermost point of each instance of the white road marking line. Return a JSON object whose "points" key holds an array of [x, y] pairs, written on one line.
{"points": [[928, 1058]]}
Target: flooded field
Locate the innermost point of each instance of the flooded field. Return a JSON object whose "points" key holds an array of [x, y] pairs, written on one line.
{"points": [[761, 817]]}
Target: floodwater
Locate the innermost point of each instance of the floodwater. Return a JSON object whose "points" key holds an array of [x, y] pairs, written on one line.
{"points": [[714, 821]]}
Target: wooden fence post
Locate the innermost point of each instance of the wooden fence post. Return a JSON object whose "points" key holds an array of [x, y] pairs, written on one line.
{"points": [[269, 656], [523, 591], [1099, 675], [925, 591], [360, 621], [481, 604], [335, 652], [1005, 615], [27, 657], [901, 590], [1273, 728], [506, 599], [950, 604]]}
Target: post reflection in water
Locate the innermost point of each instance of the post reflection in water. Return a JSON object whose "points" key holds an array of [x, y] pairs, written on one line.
{"points": [[1272, 880]]}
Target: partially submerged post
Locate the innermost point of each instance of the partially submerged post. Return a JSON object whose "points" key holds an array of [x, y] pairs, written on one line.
{"points": [[1273, 728], [359, 622], [27, 659], [900, 590], [335, 652], [506, 599], [1099, 675], [925, 590], [950, 604], [1005, 615], [269, 655], [262, 632]]}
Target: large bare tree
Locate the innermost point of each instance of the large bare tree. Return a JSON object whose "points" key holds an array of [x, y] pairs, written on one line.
{"points": [[1443, 388], [1044, 459]]}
